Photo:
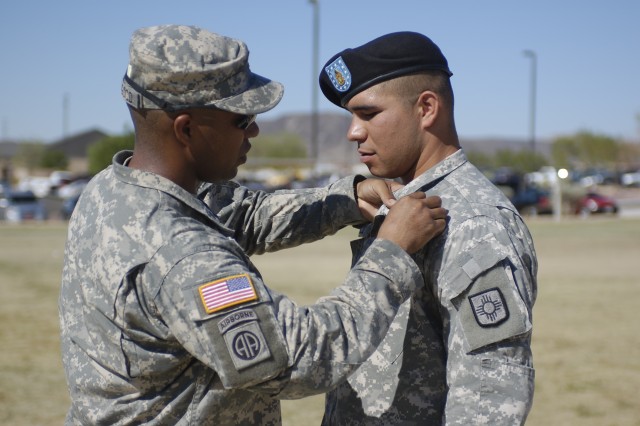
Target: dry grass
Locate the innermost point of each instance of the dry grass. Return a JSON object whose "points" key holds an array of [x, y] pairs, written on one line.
{"points": [[32, 387], [586, 341]]}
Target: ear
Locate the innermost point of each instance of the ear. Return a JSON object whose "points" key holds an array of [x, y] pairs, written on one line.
{"points": [[182, 128], [429, 105]]}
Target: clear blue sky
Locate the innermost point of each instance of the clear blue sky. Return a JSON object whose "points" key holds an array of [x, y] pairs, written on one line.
{"points": [[588, 54]]}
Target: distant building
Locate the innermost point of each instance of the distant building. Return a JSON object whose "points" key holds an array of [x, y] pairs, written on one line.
{"points": [[76, 147], [8, 150]]}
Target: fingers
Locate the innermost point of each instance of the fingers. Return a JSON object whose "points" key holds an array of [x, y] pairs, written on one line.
{"points": [[439, 217], [413, 221], [432, 201], [417, 195], [374, 189], [393, 185], [373, 193], [439, 213]]}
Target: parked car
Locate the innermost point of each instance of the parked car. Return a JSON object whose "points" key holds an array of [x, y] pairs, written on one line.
{"points": [[68, 205], [596, 203], [72, 189], [532, 200], [4, 188], [630, 178], [18, 206]]}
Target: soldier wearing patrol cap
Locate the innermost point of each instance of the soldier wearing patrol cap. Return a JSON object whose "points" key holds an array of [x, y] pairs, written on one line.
{"points": [[164, 319], [459, 351]]}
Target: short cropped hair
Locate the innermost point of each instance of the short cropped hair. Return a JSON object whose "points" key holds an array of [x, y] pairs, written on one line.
{"points": [[410, 87]]}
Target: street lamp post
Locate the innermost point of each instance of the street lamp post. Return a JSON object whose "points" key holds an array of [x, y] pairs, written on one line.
{"points": [[314, 83], [65, 115], [532, 98]]}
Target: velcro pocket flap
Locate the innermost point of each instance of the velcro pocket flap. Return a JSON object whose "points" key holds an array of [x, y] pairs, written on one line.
{"points": [[474, 261]]}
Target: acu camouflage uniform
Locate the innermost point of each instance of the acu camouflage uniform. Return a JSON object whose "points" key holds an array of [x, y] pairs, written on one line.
{"points": [[458, 352], [141, 342]]}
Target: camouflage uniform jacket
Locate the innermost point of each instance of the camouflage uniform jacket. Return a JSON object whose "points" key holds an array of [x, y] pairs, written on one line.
{"points": [[165, 320], [458, 352]]}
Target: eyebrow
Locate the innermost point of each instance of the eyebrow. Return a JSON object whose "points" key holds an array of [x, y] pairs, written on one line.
{"points": [[363, 107]]}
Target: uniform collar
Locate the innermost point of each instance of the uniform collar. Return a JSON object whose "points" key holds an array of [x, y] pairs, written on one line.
{"points": [[156, 182], [429, 178]]}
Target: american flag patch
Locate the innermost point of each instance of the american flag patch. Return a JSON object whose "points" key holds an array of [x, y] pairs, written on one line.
{"points": [[226, 292]]}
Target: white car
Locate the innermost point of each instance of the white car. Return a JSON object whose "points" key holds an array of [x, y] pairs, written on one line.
{"points": [[72, 189], [18, 206], [630, 179]]}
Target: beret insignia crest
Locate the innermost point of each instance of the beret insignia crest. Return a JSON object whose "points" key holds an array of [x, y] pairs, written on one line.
{"points": [[339, 74]]}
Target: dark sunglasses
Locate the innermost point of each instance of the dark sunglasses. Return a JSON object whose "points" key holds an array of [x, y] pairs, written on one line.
{"points": [[246, 121]]}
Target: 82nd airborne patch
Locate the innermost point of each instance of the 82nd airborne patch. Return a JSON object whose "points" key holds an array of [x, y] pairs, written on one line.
{"points": [[247, 345], [489, 307]]}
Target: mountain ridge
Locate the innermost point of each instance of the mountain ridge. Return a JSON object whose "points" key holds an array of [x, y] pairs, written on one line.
{"points": [[333, 145]]}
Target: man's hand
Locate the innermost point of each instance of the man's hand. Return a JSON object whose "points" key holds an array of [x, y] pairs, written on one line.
{"points": [[413, 221], [372, 193]]}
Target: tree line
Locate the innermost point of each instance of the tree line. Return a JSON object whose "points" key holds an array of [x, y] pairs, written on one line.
{"points": [[580, 151]]}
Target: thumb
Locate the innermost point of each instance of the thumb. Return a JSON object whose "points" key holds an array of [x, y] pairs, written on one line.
{"points": [[389, 202]]}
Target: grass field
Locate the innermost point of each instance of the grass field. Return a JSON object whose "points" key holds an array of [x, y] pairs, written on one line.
{"points": [[586, 339]]}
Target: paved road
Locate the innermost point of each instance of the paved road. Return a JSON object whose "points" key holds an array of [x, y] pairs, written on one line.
{"points": [[629, 207]]}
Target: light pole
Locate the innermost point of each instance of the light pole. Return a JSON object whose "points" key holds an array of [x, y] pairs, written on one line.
{"points": [[314, 83], [65, 115], [532, 98]]}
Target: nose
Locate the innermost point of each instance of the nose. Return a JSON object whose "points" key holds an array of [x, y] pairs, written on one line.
{"points": [[356, 132], [253, 130]]}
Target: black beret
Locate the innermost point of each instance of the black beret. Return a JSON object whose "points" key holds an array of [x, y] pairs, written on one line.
{"points": [[393, 55]]}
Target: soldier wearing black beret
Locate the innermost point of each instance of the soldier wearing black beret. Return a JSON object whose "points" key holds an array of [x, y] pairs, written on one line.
{"points": [[459, 351], [382, 59]]}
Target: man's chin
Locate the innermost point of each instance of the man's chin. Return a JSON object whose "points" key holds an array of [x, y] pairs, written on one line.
{"points": [[224, 178], [382, 174]]}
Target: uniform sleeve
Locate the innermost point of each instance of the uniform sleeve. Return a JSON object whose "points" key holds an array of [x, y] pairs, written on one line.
{"points": [[217, 307], [264, 222], [487, 329]]}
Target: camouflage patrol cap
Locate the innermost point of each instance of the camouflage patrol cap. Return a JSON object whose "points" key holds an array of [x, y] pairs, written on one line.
{"points": [[175, 67]]}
